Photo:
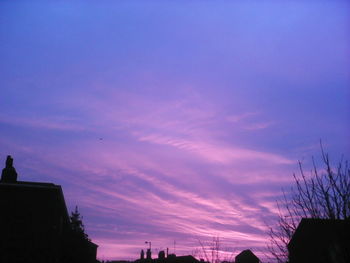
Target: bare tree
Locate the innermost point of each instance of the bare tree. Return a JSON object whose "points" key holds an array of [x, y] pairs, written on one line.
{"points": [[324, 193], [213, 251]]}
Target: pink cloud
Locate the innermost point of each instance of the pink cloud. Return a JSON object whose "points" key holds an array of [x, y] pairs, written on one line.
{"points": [[216, 153], [156, 169]]}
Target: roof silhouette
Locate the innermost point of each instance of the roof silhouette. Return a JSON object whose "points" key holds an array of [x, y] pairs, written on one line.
{"points": [[246, 256]]}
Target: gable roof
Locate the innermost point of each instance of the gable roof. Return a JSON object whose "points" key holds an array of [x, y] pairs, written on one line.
{"points": [[246, 256]]}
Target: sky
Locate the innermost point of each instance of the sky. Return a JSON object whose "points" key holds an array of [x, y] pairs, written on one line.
{"points": [[173, 121]]}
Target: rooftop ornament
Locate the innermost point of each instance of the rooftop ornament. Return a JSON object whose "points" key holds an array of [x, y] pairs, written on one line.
{"points": [[9, 174]]}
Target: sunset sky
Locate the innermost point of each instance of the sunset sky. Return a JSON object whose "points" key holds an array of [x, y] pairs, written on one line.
{"points": [[173, 120]]}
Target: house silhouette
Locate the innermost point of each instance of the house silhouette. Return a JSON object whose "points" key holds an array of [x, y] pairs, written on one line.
{"points": [[35, 225], [320, 240]]}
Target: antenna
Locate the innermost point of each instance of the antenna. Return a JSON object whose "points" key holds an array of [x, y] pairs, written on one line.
{"points": [[174, 247]]}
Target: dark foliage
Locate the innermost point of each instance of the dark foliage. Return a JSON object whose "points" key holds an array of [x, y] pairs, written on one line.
{"points": [[77, 224]]}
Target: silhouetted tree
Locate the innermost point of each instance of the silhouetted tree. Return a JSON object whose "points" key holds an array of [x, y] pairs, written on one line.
{"points": [[213, 251], [77, 225], [324, 193]]}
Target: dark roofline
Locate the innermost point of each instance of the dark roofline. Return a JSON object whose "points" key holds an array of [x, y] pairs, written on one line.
{"points": [[321, 220], [186, 256], [28, 183]]}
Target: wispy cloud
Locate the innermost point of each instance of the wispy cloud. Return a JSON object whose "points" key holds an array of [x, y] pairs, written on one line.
{"points": [[240, 117], [216, 153], [258, 126], [51, 123], [128, 173]]}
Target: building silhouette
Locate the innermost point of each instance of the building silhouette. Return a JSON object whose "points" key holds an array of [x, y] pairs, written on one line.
{"points": [[321, 241], [35, 225], [164, 258]]}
